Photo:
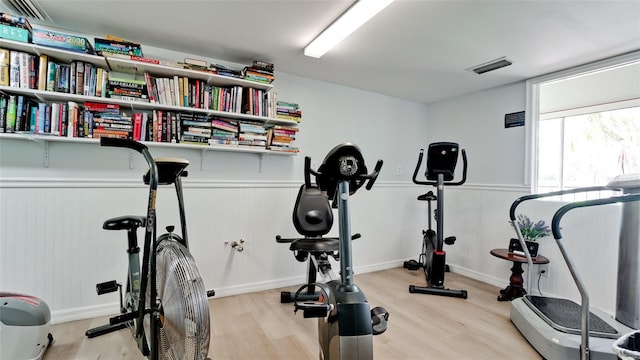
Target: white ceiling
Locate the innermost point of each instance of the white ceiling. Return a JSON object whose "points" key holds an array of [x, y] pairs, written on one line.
{"points": [[415, 50]]}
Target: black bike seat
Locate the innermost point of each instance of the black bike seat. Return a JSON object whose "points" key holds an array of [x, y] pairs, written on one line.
{"points": [[316, 245], [127, 222], [427, 197]]}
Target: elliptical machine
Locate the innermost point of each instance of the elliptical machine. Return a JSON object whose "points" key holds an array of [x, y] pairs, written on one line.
{"points": [[441, 163], [346, 324]]}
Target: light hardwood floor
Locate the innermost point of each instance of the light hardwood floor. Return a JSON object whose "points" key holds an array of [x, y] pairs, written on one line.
{"points": [[257, 326]]}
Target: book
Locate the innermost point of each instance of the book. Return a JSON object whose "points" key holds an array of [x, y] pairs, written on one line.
{"points": [[117, 47], [15, 33], [4, 66], [196, 62], [98, 82], [55, 119], [79, 77], [3, 112], [43, 66], [137, 126], [33, 116], [18, 126], [142, 59], [86, 84], [145, 126], [151, 88], [14, 68], [10, 124], [16, 21], [40, 119], [101, 107], [61, 41]]}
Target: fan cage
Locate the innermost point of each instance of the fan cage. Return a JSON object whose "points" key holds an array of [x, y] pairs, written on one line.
{"points": [[184, 332]]}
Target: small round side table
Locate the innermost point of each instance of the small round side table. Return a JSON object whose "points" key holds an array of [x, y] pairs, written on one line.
{"points": [[515, 288]]}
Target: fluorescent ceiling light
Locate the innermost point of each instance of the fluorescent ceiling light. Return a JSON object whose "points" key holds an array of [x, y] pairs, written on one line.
{"points": [[348, 22]]}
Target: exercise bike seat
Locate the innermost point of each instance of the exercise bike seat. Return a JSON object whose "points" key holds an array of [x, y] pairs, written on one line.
{"points": [[126, 222], [427, 197], [312, 245], [168, 170]]}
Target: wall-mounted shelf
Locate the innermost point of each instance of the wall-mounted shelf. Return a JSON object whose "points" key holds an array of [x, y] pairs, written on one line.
{"points": [[44, 140], [135, 68]]}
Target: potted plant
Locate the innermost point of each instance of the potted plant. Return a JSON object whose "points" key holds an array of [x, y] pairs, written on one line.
{"points": [[531, 232]]}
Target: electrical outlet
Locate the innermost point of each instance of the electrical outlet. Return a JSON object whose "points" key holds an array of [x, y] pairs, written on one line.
{"points": [[543, 269]]}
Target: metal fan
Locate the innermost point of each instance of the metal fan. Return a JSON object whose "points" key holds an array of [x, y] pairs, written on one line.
{"points": [[184, 330]]}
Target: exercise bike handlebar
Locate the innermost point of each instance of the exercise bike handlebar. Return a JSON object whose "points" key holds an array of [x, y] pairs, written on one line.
{"points": [[446, 183], [126, 143], [374, 175], [308, 171], [139, 147]]}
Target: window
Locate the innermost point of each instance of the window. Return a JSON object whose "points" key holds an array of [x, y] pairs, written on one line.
{"points": [[587, 149], [583, 125]]}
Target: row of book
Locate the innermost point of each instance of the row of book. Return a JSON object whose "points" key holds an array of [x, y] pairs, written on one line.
{"points": [[186, 92], [18, 28], [288, 111], [22, 70], [27, 71], [94, 120]]}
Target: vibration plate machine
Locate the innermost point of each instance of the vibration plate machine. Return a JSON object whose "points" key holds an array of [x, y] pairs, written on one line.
{"points": [[562, 329]]}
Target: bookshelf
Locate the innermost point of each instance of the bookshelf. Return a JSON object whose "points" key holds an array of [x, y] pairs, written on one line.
{"points": [[137, 69], [44, 140]]}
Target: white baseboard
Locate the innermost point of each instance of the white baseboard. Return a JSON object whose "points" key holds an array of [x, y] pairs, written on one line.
{"points": [[61, 316], [492, 280]]}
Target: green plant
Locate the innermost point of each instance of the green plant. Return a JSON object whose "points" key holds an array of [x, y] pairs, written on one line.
{"points": [[532, 231]]}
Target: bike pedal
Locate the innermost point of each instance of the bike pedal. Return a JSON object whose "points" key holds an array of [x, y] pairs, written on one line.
{"points": [[313, 310], [211, 293], [122, 318], [411, 265], [286, 297], [107, 287], [450, 240], [379, 318]]}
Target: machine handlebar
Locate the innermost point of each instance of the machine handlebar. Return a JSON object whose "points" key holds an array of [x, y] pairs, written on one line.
{"points": [[518, 201], [126, 143], [343, 163], [374, 175], [446, 183], [139, 147], [555, 222]]}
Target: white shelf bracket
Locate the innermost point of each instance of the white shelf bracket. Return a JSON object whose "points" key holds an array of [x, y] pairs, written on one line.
{"points": [[260, 156], [45, 145], [45, 148], [130, 159]]}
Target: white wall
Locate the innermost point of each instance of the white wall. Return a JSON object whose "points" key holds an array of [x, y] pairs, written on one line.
{"points": [[52, 244], [51, 240]]}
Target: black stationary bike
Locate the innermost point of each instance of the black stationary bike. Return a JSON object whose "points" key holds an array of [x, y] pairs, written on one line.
{"points": [[346, 324], [441, 163], [166, 306]]}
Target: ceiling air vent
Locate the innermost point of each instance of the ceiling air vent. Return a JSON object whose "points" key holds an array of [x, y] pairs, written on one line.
{"points": [[490, 66], [26, 8]]}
